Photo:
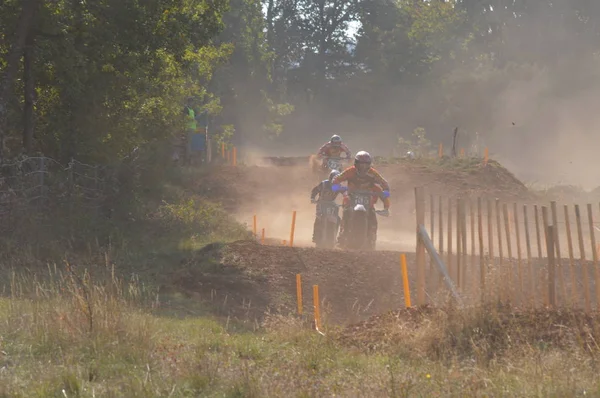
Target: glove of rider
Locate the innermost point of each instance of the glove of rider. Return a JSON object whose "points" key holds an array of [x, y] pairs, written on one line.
{"points": [[386, 194], [337, 188]]}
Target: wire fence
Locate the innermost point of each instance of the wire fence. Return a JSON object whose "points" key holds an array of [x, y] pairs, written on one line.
{"points": [[35, 186]]}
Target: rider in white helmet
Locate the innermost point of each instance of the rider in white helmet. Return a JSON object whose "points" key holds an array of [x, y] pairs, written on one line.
{"points": [[334, 148], [362, 177]]}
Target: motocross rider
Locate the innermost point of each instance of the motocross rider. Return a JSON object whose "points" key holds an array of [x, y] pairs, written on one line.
{"points": [[326, 194], [362, 177], [334, 149]]}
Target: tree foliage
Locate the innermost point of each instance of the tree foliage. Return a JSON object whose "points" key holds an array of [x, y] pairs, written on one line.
{"points": [[95, 79]]}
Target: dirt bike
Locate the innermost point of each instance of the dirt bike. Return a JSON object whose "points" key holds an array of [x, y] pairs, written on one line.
{"points": [[328, 212], [324, 166], [357, 226]]}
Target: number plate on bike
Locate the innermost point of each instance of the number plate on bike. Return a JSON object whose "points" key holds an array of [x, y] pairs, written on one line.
{"points": [[362, 200], [326, 209], [333, 164]]}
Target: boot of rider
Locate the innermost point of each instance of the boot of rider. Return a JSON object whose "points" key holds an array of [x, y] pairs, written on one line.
{"points": [[315, 230], [372, 230], [372, 240], [324, 164], [341, 235]]}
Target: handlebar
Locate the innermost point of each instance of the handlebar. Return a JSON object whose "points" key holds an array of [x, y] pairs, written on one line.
{"points": [[326, 202], [383, 213], [335, 159], [369, 193]]}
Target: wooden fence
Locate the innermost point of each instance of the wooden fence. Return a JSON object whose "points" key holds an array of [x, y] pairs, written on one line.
{"points": [[523, 254]]}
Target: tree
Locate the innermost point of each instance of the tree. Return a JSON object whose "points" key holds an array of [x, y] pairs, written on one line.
{"points": [[19, 39], [112, 74]]}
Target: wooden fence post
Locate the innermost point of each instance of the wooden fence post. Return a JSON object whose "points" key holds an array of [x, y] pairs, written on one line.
{"points": [[441, 227], [537, 230], [508, 274], [490, 222], [420, 208], [499, 227], [594, 255], [432, 227], [440, 236], [482, 265], [463, 228], [545, 225], [531, 285], [558, 260], [473, 250], [571, 257], [551, 266], [459, 237], [449, 240], [519, 259], [584, 268]]}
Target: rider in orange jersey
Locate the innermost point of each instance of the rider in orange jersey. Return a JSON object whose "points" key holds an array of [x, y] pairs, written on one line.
{"points": [[363, 177]]}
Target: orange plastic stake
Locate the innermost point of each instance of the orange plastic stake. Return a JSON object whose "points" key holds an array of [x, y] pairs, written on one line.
{"points": [[317, 307], [254, 227], [299, 292], [441, 151], [262, 238], [462, 152], [234, 156], [223, 150], [293, 228], [486, 155], [405, 280]]}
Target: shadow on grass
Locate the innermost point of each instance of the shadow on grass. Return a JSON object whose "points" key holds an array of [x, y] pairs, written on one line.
{"points": [[162, 239]]}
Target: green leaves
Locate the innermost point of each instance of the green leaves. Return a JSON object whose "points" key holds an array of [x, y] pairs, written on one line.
{"points": [[114, 74]]}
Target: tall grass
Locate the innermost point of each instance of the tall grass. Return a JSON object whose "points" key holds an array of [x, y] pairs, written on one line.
{"points": [[68, 332]]}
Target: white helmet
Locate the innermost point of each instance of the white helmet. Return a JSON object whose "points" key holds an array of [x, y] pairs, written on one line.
{"points": [[336, 139]]}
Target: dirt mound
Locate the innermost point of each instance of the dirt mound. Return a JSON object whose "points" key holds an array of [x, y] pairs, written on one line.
{"points": [[464, 177], [246, 279], [485, 331], [273, 193], [243, 187]]}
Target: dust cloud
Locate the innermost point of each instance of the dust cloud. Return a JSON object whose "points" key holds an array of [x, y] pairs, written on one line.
{"points": [[536, 108], [278, 191]]}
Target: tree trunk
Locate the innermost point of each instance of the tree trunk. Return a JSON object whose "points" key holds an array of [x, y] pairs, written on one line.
{"points": [[29, 94], [28, 11], [269, 21]]}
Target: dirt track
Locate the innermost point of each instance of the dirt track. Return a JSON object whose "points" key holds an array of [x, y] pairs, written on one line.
{"points": [[353, 285], [272, 193]]}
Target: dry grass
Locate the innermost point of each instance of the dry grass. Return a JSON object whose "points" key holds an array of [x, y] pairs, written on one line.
{"points": [[85, 331], [78, 335]]}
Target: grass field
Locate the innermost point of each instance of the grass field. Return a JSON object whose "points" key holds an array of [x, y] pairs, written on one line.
{"points": [[99, 324], [74, 335]]}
